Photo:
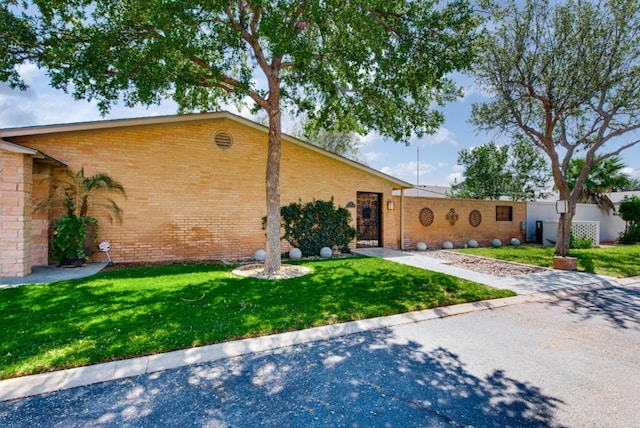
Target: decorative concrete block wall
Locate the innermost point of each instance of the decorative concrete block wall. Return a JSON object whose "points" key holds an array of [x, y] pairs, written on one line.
{"points": [[590, 229]]}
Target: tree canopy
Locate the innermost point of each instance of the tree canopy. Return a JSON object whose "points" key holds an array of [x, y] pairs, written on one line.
{"points": [[518, 172], [565, 77], [350, 65]]}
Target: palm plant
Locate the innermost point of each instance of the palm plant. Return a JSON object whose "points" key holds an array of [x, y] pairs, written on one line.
{"points": [[82, 195], [82, 198], [606, 176]]}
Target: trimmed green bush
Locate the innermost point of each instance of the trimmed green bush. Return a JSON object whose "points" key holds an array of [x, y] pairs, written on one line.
{"points": [[317, 224]]}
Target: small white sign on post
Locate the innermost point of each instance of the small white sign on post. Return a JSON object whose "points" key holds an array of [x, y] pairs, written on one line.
{"points": [[562, 206]]}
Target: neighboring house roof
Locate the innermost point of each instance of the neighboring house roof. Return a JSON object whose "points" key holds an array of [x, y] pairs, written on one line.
{"points": [[31, 132], [434, 191], [615, 197]]}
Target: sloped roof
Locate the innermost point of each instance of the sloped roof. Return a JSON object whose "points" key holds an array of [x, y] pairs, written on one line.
{"points": [[16, 148], [16, 135]]}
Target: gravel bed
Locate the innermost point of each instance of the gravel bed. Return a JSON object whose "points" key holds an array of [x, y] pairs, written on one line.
{"points": [[483, 264]]}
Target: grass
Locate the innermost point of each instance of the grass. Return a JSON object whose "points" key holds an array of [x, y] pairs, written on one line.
{"points": [[619, 261], [140, 311]]}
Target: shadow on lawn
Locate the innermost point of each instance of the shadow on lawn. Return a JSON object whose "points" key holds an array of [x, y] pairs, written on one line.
{"points": [[100, 319], [368, 379]]}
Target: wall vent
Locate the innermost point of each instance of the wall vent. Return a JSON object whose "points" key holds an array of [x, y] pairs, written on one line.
{"points": [[223, 139]]}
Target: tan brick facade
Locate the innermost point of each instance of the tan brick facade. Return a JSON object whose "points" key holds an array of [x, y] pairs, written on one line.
{"points": [[15, 214], [188, 199], [443, 211]]}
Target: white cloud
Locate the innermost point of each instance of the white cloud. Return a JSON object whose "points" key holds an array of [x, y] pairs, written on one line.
{"points": [[631, 172], [456, 174], [409, 171], [442, 136], [371, 157], [370, 139], [455, 177]]}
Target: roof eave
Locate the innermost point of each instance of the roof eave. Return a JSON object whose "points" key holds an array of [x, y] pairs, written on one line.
{"points": [[45, 130]]}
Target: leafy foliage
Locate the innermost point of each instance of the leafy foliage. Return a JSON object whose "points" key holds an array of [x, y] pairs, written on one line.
{"points": [[68, 238], [341, 143], [78, 195], [604, 177], [630, 209], [630, 212], [317, 224], [518, 171], [569, 87], [17, 44], [351, 65], [580, 243], [631, 234], [81, 195]]}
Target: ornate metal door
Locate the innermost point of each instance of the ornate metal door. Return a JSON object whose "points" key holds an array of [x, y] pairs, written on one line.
{"points": [[369, 219]]}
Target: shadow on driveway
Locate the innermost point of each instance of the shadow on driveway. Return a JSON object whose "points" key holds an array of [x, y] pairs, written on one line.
{"points": [[368, 379], [618, 305]]}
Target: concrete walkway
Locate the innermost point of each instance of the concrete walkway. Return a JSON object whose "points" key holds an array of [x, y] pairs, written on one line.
{"points": [[545, 287], [521, 284], [52, 273]]}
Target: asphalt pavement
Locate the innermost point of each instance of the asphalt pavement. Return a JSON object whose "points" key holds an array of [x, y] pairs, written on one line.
{"points": [[562, 357]]}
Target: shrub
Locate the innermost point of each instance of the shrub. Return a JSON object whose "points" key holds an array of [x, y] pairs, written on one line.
{"points": [[68, 238], [317, 224], [630, 209], [631, 235], [580, 243], [630, 212]]}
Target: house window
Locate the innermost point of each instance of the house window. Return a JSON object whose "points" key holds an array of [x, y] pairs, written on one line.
{"points": [[504, 213]]}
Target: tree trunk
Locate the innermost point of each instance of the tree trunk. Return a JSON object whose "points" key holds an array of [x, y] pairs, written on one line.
{"points": [[272, 262], [564, 233]]}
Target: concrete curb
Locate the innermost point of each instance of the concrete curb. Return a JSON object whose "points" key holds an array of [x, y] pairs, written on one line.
{"points": [[27, 386]]}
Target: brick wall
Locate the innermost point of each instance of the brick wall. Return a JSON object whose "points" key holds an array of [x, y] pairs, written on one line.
{"points": [[15, 214], [191, 200], [462, 230]]}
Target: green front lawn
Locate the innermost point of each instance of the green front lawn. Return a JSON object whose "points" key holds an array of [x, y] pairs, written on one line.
{"points": [[620, 261], [140, 311]]}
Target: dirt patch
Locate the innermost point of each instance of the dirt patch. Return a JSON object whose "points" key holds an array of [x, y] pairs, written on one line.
{"points": [[484, 264], [257, 271]]}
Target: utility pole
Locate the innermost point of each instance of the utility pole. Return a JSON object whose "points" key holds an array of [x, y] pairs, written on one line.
{"points": [[418, 168]]}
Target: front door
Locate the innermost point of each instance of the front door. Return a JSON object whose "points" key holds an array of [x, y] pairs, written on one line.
{"points": [[369, 220]]}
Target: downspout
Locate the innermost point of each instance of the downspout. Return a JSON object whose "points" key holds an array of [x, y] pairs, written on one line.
{"points": [[402, 219]]}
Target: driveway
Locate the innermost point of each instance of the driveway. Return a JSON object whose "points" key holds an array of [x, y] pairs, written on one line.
{"points": [[573, 361]]}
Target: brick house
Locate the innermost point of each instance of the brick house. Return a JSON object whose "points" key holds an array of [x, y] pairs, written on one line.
{"points": [[195, 186]]}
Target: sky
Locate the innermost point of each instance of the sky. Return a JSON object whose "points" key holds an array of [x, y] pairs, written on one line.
{"points": [[437, 154]]}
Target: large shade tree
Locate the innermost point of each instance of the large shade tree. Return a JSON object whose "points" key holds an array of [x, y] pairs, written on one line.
{"points": [[518, 172], [350, 65], [567, 78]]}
